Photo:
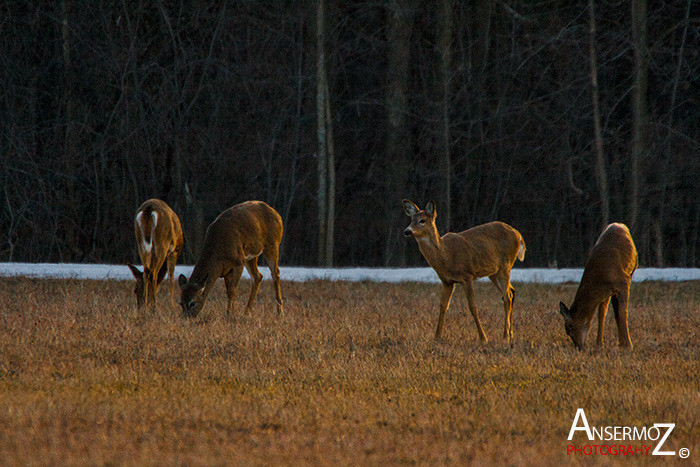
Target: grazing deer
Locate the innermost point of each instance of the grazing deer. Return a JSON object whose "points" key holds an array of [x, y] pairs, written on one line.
{"points": [[159, 239], [486, 250], [235, 239], [606, 277]]}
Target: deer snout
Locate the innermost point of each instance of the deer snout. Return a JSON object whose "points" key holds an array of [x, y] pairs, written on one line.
{"points": [[408, 232]]}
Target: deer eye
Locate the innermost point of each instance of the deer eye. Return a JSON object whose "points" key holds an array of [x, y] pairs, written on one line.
{"points": [[422, 221]]}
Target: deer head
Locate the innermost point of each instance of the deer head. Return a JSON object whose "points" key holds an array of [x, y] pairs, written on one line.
{"points": [[192, 298], [574, 329], [422, 222], [139, 287]]}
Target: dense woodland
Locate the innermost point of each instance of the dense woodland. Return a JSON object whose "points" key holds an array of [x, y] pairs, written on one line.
{"points": [[547, 115]]}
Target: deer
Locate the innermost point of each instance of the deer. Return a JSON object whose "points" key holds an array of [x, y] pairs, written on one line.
{"points": [[159, 239], [487, 250], [235, 239], [606, 278]]}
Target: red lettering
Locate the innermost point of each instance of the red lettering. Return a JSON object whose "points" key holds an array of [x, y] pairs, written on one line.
{"points": [[604, 450]]}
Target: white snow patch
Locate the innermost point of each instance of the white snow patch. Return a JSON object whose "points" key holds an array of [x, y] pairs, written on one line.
{"points": [[301, 274]]}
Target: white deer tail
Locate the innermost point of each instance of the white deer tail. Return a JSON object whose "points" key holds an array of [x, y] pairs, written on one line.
{"points": [[521, 249]]}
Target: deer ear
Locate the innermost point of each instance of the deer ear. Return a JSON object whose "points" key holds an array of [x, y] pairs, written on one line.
{"points": [[430, 208], [182, 281], [409, 208], [565, 312], [134, 270]]}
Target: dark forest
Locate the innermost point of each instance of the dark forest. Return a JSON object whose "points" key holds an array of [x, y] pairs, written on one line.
{"points": [[556, 117]]}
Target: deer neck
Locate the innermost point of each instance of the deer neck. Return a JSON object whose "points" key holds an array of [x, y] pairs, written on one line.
{"points": [[586, 302], [206, 268], [432, 247]]}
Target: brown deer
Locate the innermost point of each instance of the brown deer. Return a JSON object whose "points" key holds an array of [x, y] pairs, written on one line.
{"points": [[159, 239], [235, 239], [488, 250], [606, 277]]}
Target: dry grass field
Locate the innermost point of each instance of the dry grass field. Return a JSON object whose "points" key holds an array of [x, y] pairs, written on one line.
{"points": [[350, 374]]}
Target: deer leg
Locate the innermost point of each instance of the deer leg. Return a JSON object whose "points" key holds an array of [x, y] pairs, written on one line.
{"points": [[150, 292], [445, 298], [272, 258], [502, 283], [231, 280], [469, 290], [162, 271], [172, 259], [620, 304], [252, 267], [602, 310], [512, 305]]}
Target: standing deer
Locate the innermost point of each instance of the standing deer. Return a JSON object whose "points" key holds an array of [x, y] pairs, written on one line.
{"points": [[606, 277], [235, 239], [159, 239], [486, 250]]}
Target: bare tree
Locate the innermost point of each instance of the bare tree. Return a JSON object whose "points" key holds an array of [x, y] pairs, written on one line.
{"points": [[444, 47], [639, 105], [401, 16], [600, 171], [667, 149], [325, 154], [69, 143]]}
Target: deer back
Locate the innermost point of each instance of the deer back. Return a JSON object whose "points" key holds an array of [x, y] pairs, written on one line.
{"points": [[239, 233], [158, 231], [482, 250], [610, 265]]}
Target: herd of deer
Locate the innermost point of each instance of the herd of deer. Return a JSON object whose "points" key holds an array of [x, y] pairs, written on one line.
{"points": [[244, 232]]}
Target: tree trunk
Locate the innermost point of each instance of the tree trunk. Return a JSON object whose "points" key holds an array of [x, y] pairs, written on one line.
{"points": [[330, 156], [639, 105], [401, 15], [600, 171], [667, 159], [69, 152], [445, 51], [639, 113], [322, 165], [326, 154]]}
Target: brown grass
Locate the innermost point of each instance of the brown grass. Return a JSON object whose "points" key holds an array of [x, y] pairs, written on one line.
{"points": [[350, 374]]}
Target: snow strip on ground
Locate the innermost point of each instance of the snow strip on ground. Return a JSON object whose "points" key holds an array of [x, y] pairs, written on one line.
{"points": [[300, 274]]}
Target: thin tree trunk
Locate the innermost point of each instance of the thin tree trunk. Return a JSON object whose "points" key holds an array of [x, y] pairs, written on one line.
{"points": [[322, 166], [326, 152], [445, 51], [600, 172], [330, 152], [69, 132], [639, 104], [297, 135], [401, 15], [667, 160]]}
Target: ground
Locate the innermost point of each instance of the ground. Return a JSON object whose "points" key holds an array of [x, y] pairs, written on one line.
{"points": [[349, 374]]}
